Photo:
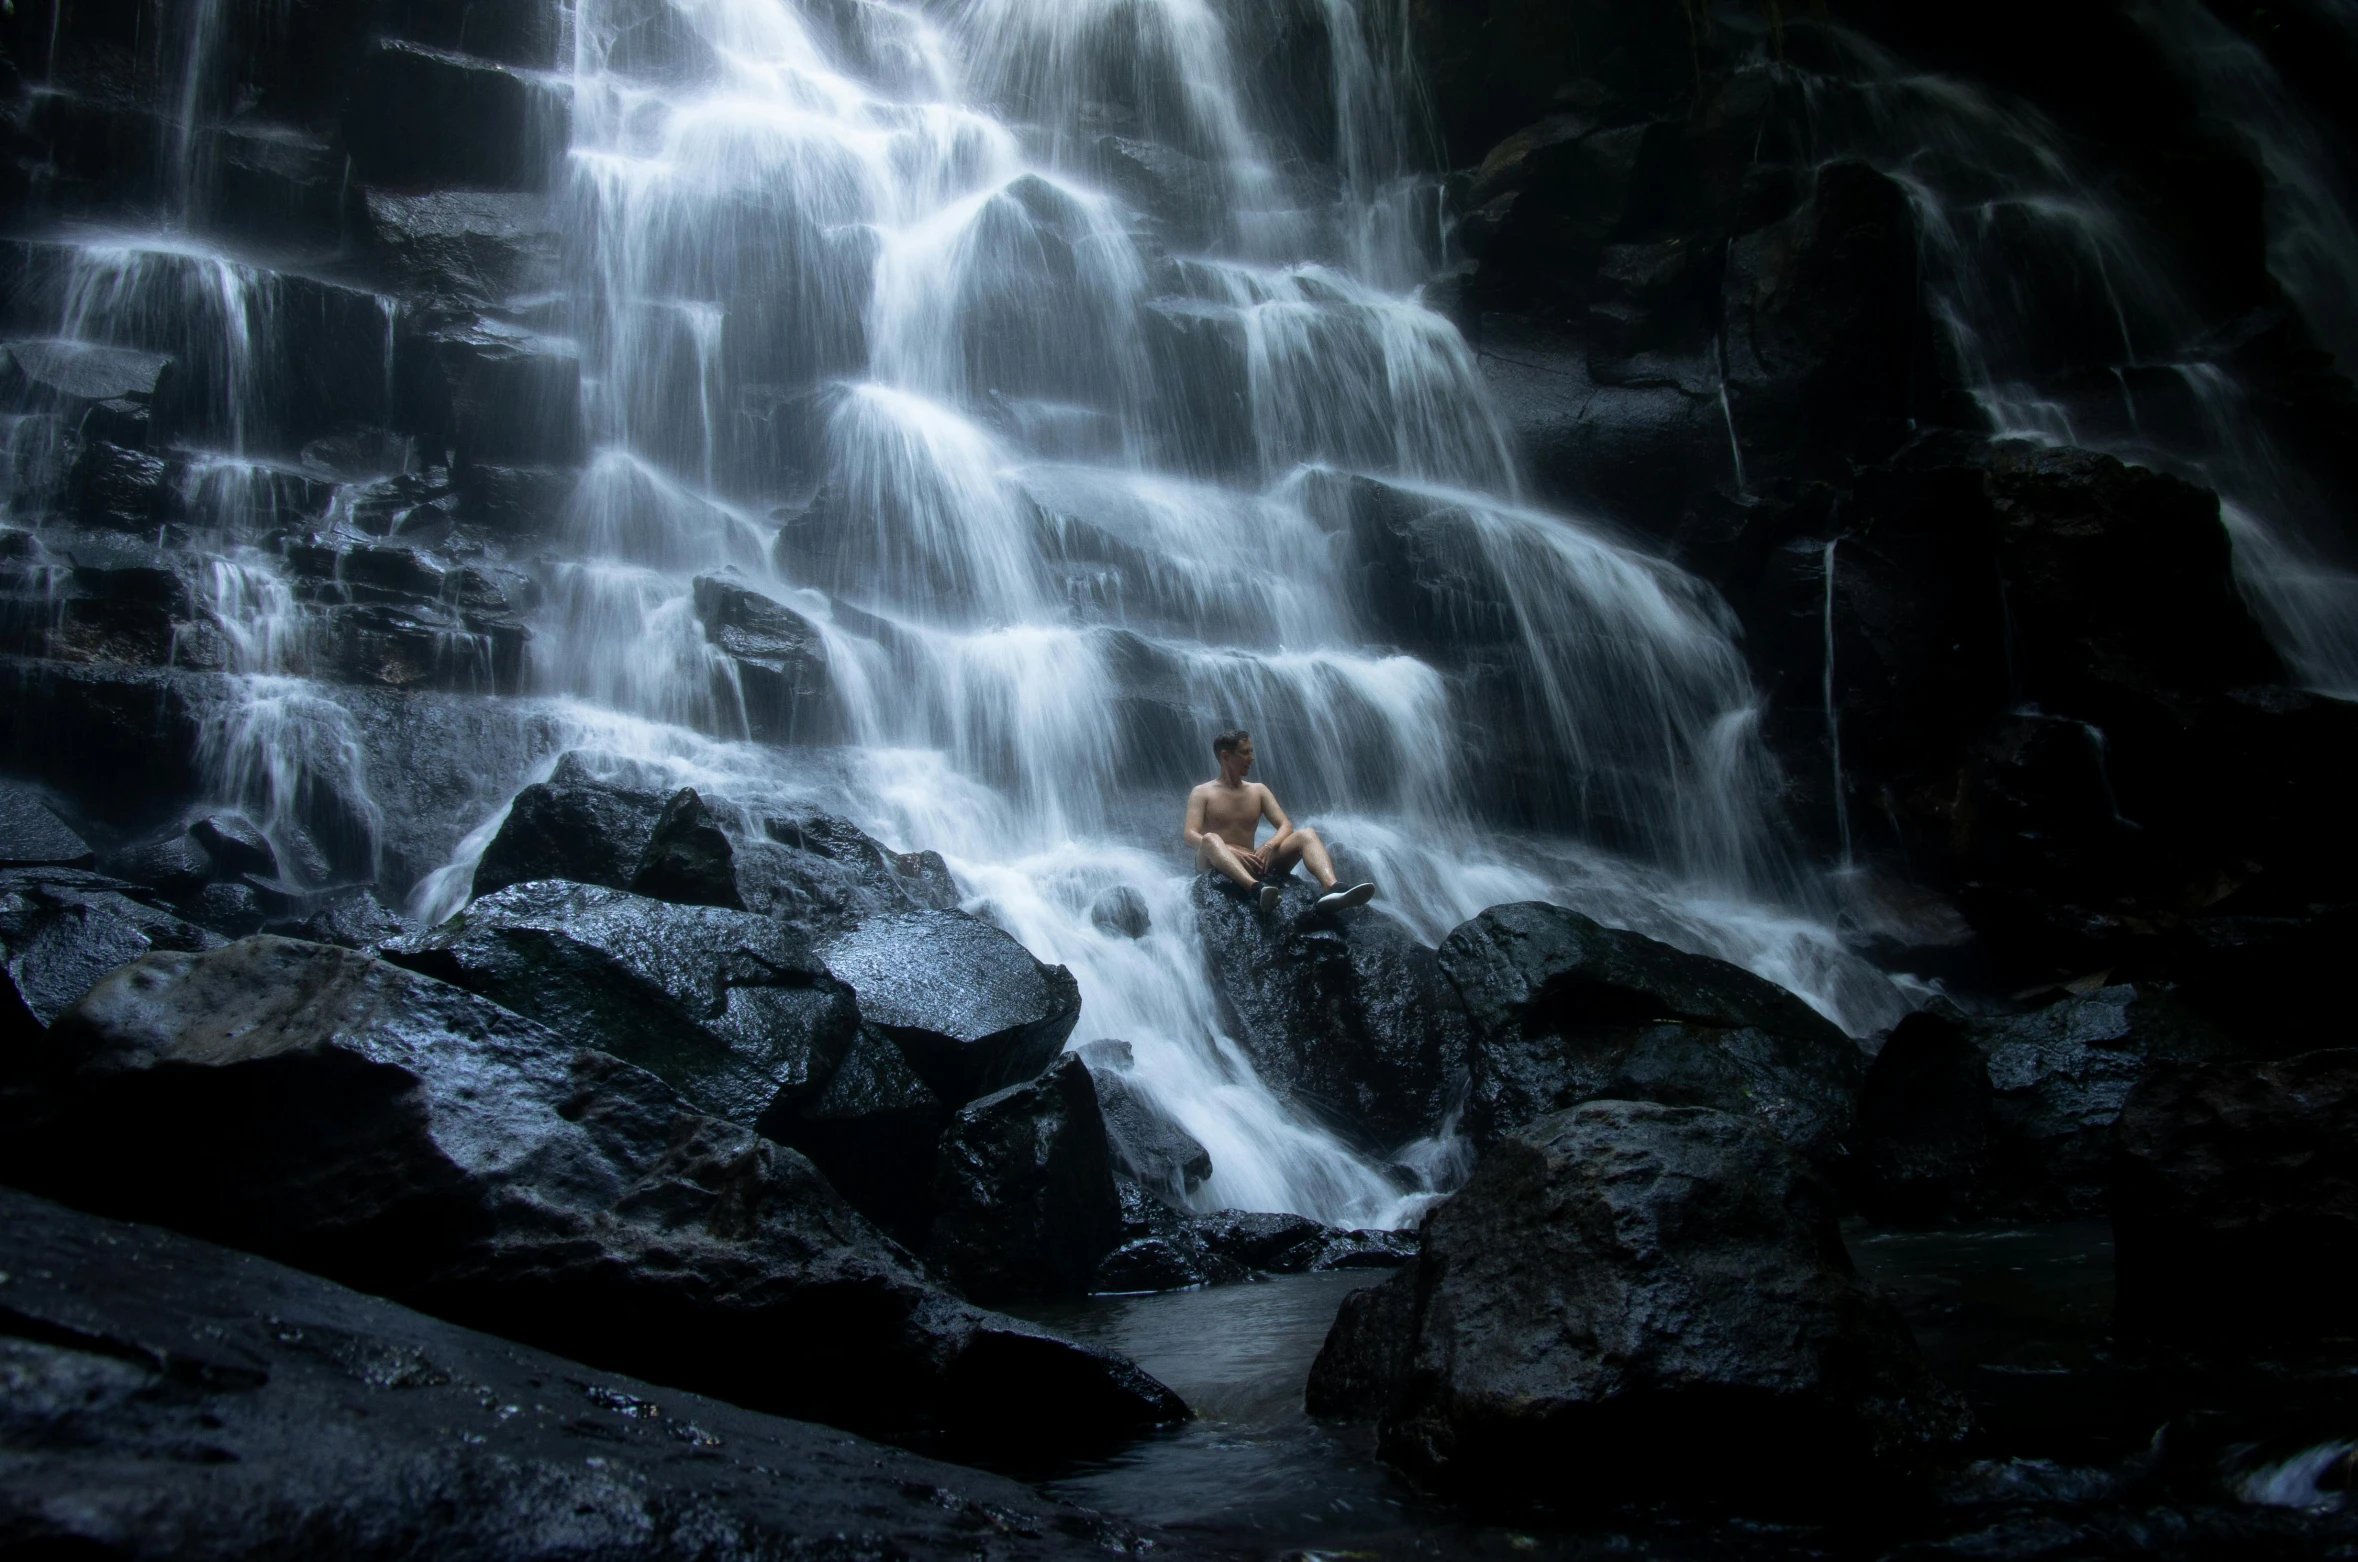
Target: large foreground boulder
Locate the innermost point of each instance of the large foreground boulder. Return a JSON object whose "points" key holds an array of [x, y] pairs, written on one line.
{"points": [[1345, 1017], [1616, 1287], [2235, 1203], [1024, 1189], [164, 1398], [335, 1111], [969, 1007], [730, 1009], [1560, 1010]]}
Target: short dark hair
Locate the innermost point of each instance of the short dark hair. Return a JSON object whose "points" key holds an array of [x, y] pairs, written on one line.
{"points": [[1228, 742]]}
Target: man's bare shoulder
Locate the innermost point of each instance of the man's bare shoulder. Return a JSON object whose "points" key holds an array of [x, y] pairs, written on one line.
{"points": [[1203, 789]]}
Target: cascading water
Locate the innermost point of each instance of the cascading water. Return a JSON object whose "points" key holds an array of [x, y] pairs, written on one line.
{"points": [[1998, 192], [999, 340]]}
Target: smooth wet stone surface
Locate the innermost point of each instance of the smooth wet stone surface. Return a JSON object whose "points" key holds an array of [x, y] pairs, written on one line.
{"points": [[165, 1398]]}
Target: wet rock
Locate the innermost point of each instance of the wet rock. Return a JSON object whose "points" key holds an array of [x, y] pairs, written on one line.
{"points": [[169, 1398], [236, 843], [1121, 911], [352, 918], [122, 490], [117, 743], [72, 378], [327, 1108], [825, 875], [31, 833], [1561, 1010], [688, 860], [1829, 343], [2235, 1203], [1428, 582], [1024, 1190], [61, 930], [1614, 1282], [968, 1006], [873, 1130], [730, 1009], [1199, 356], [491, 392], [780, 659], [1924, 1122], [462, 248], [1147, 1143], [172, 864], [571, 826], [1276, 1243], [423, 118], [1347, 1017], [2058, 1078]]}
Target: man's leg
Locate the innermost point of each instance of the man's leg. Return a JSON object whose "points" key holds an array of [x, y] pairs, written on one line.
{"points": [[1215, 855], [1304, 847]]}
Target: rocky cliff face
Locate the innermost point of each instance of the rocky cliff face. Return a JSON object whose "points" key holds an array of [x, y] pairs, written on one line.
{"points": [[1910, 329]]}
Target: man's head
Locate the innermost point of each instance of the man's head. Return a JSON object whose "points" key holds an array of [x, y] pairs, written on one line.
{"points": [[1234, 750]]}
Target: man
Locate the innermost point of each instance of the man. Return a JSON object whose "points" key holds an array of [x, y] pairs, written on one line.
{"points": [[1222, 816]]}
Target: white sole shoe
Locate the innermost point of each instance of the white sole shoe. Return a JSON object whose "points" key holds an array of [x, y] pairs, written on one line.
{"points": [[1269, 897], [1345, 899]]}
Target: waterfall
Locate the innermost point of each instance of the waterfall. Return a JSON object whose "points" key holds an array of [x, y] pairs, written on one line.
{"points": [[1997, 188], [1060, 372]]}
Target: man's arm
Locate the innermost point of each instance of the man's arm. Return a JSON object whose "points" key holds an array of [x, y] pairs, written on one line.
{"points": [[1191, 824], [1278, 821]]}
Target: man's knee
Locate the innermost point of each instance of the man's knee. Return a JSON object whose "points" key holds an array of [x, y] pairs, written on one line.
{"points": [[1308, 838]]}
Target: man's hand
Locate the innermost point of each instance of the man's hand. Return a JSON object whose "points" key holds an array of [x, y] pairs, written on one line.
{"points": [[1255, 862]]}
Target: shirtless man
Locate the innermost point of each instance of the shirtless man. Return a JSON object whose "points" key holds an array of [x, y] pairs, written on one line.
{"points": [[1223, 814]]}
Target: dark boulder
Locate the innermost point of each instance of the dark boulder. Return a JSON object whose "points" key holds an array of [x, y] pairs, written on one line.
{"points": [[1615, 1283], [62, 929], [1560, 1010], [779, 659], [730, 1009], [166, 1398], [1121, 912], [571, 826], [332, 1110], [31, 833], [1167, 1248], [236, 843], [968, 1006], [873, 1130], [1148, 1145], [688, 859], [1346, 1017], [1925, 1122], [2058, 1077], [1024, 1190], [2235, 1203], [825, 874]]}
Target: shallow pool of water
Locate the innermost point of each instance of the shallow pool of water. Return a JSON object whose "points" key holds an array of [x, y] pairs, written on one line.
{"points": [[2017, 1317]]}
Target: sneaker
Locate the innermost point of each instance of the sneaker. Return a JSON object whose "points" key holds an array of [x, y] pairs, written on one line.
{"points": [[1270, 894], [1345, 899]]}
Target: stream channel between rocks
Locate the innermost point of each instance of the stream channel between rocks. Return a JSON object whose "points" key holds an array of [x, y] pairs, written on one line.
{"points": [[2015, 1316]]}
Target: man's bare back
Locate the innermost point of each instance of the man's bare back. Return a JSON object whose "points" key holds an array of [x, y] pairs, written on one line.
{"points": [[1225, 813]]}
